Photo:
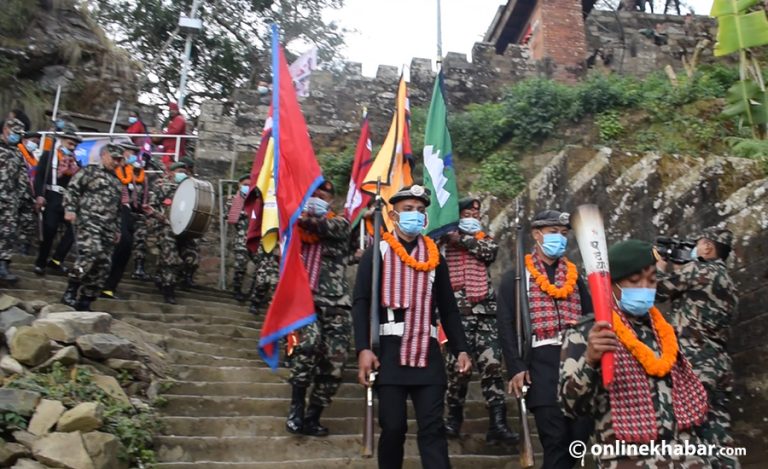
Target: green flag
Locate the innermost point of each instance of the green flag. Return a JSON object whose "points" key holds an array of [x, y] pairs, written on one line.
{"points": [[439, 176]]}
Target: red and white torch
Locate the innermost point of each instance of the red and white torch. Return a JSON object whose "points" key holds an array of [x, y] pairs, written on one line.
{"points": [[590, 234]]}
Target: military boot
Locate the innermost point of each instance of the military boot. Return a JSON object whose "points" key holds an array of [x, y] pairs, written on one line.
{"points": [[498, 429], [57, 267], [295, 422], [5, 275], [237, 286], [84, 303], [312, 425], [70, 294], [454, 420], [169, 294], [188, 283], [138, 271]]}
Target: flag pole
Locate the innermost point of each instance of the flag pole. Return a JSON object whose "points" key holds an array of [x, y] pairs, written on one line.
{"points": [[439, 33]]}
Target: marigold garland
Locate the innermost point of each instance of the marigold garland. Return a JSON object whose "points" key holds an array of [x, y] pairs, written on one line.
{"points": [[480, 235], [127, 175], [433, 258], [312, 238], [653, 365], [31, 161], [558, 293]]}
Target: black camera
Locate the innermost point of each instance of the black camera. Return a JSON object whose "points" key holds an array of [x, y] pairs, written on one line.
{"points": [[673, 249]]}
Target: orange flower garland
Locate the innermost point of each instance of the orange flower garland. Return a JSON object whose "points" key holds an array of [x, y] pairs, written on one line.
{"points": [[558, 293], [432, 261], [480, 235], [127, 175], [653, 365]]}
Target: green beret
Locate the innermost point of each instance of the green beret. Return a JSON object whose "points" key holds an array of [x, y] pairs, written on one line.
{"points": [[629, 257], [244, 177], [469, 202], [178, 165], [188, 161]]}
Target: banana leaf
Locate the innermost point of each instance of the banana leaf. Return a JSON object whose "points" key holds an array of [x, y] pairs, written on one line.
{"points": [[736, 32], [740, 99], [731, 7]]}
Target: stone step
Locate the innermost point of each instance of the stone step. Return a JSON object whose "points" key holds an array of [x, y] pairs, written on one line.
{"points": [[180, 313], [230, 374], [183, 357], [458, 461], [271, 425], [215, 339], [230, 331], [188, 345], [238, 406], [289, 448]]}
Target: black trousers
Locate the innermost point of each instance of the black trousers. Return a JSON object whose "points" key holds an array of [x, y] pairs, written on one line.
{"points": [[393, 420], [122, 252], [53, 218], [556, 432]]}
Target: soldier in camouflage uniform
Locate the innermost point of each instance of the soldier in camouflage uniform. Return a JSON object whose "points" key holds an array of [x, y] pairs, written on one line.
{"points": [[469, 253], [27, 216], [92, 206], [640, 407], [703, 300], [264, 278], [170, 260], [323, 345], [14, 192], [239, 219], [189, 249], [141, 220]]}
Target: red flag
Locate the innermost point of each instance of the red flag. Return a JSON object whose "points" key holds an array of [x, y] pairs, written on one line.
{"points": [[297, 176], [254, 202], [357, 200]]}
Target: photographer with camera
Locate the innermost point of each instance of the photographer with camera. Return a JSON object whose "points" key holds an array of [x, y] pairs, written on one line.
{"points": [[703, 299]]}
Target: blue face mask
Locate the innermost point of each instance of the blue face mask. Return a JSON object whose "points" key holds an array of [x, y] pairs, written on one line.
{"points": [[66, 151], [554, 245], [60, 124], [131, 159], [133, 120], [31, 145], [694, 254], [411, 223], [14, 139], [470, 225], [317, 206], [637, 301], [244, 189], [178, 177]]}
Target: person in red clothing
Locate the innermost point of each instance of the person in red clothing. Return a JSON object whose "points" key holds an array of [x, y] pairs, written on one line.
{"points": [[177, 125], [136, 126]]}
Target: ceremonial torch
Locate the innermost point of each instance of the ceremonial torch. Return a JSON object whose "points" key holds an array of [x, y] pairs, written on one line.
{"points": [[590, 234]]}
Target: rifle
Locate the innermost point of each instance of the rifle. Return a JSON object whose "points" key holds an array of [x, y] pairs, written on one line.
{"points": [[374, 321], [523, 327]]}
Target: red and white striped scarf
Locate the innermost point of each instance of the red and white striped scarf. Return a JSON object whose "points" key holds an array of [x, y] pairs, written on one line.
{"points": [[403, 287], [238, 202], [632, 411], [468, 273], [312, 255], [549, 318]]}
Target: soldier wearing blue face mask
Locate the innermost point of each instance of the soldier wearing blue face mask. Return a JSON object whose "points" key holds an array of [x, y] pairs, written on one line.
{"points": [[557, 298], [14, 191]]}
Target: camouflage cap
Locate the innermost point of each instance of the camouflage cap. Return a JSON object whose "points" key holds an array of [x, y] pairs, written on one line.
{"points": [[551, 218], [128, 145], [70, 132], [15, 126], [469, 202], [719, 235], [413, 191], [114, 150]]}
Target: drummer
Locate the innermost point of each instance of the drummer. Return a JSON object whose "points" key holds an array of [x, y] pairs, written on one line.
{"points": [[172, 249]]}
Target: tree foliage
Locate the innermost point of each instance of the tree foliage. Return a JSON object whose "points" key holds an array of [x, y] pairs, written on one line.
{"points": [[232, 50]]}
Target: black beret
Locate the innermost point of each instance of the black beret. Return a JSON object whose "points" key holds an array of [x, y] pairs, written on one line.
{"points": [[327, 186], [179, 165], [413, 191], [629, 257], [551, 218], [469, 202]]}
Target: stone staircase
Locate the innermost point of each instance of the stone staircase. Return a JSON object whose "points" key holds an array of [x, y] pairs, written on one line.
{"points": [[226, 409]]}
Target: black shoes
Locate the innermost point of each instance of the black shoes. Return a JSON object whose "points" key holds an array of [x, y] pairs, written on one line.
{"points": [[70, 294], [138, 272], [84, 303], [169, 294], [312, 425], [57, 267], [498, 429], [295, 422], [453, 421], [6, 277]]}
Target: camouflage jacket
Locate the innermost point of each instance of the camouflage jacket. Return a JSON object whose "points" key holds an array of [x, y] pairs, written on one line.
{"points": [[334, 235], [161, 195], [93, 195], [14, 182], [484, 250], [581, 394], [703, 299]]}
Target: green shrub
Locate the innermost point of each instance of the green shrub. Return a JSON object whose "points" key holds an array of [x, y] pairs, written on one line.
{"points": [[534, 108], [500, 175], [476, 132], [337, 167], [16, 16], [600, 92]]}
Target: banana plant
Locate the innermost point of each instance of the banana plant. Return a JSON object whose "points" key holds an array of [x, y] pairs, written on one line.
{"points": [[739, 30]]}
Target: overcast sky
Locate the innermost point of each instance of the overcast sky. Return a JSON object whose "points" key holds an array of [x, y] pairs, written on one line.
{"points": [[392, 32]]}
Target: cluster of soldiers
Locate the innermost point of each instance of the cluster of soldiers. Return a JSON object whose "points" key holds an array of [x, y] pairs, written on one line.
{"points": [[107, 211], [427, 286]]}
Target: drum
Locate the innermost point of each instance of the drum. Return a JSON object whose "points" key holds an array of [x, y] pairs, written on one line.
{"points": [[192, 208]]}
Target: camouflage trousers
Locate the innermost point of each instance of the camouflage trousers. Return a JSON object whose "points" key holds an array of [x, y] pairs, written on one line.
{"points": [[94, 257], [242, 257], [715, 372], [27, 223], [8, 229], [321, 355], [265, 278], [485, 352], [140, 237], [177, 256]]}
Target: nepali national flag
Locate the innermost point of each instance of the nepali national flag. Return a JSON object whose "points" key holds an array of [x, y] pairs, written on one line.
{"points": [[357, 200], [297, 175]]}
